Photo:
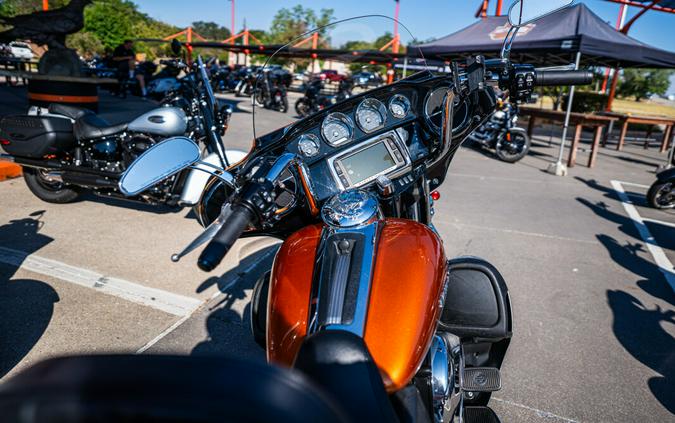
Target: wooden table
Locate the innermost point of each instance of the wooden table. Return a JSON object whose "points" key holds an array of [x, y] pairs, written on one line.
{"points": [[580, 120], [626, 120]]}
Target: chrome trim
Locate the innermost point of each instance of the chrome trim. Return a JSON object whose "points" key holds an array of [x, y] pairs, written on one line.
{"points": [[6, 158], [399, 169], [446, 129], [358, 323], [375, 104], [349, 209], [441, 376], [345, 120], [406, 100]]}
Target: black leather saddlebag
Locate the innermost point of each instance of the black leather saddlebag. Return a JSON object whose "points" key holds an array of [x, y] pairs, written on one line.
{"points": [[35, 136]]}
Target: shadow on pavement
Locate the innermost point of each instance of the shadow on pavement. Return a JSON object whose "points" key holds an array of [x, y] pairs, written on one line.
{"points": [[229, 332], [638, 327], [26, 305], [639, 330]]}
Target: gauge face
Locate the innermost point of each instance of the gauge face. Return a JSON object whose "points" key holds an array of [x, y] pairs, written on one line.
{"points": [[308, 145], [370, 115], [337, 129], [399, 106], [433, 107]]}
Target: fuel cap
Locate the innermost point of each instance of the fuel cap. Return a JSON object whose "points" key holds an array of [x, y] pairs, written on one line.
{"points": [[350, 208]]}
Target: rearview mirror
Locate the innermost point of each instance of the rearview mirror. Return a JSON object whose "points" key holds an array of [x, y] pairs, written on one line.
{"points": [[523, 12], [158, 163]]}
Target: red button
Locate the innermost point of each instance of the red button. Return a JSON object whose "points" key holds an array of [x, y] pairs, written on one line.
{"points": [[435, 195]]}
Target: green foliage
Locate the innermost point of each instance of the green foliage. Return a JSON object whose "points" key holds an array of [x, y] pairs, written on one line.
{"points": [[112, 21], [211, 30], [289, 24], [587, 102], [642, 83], [86, 44]]}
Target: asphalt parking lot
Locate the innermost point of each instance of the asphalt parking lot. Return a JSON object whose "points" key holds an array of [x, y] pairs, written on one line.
{"points": [[589, 269]]}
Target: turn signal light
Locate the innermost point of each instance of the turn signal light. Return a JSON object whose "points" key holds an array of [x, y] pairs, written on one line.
{"points": [[4, 142], [435, 195]]}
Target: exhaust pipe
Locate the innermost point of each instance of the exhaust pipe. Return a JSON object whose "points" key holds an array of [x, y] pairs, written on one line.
{"points": [[89, 180]]}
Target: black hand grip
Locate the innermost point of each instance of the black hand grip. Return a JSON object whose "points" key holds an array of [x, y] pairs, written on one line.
{"points": [[548, 78], [220, 245]]}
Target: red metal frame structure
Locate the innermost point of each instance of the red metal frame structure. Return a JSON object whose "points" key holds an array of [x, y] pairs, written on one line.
{"points": [[644, 5], [654, 5], [483, 8], [189, 33]]}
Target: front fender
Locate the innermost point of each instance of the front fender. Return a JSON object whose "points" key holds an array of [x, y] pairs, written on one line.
{"points": [[666, 175], [197, 179]]}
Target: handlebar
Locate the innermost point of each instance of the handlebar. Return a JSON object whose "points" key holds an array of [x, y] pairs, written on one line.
{"points": [[223, 241], [557, 77]]}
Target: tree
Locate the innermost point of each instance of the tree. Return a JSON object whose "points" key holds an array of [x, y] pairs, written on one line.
{"points": [[289, 24], [111, 21], [642, 83], [211, 30], [85, 43]]}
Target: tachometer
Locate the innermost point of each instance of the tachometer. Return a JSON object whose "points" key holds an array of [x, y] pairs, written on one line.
{"points": [[370, 115], [399, 106], [337, 129]]}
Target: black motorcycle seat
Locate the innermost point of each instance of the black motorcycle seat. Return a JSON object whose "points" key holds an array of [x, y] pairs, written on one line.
{"points": [[154, 388], [89, 126], [68, 111], [340, 362]]}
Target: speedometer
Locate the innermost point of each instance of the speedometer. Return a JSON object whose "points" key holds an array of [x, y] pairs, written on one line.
{"points": [[370, 115], [337, 129]]}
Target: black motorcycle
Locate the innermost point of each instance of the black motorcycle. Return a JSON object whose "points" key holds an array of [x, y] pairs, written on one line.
{"points": [[270, 91], [661, 194], [500, 133], [313, 100]]}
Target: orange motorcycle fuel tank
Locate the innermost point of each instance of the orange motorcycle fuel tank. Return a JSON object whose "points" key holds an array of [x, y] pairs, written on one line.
{"points": [[384, 281]]}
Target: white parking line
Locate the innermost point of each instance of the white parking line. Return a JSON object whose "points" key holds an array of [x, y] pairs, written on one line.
{"points": [[167, 302], [539, 413], [657, 252]]}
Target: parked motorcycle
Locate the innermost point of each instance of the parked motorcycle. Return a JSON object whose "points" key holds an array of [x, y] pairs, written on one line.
{"points": [[313, 100], [65, 150], [361, 296], [500, 133], [270, 91], [246, 84], [660, 194]]}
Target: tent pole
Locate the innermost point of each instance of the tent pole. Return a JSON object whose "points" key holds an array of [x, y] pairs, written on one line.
{"points": [[559, 168]]}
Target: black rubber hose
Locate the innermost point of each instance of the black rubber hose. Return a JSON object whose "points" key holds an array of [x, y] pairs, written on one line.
{"points": [[221, 244]]}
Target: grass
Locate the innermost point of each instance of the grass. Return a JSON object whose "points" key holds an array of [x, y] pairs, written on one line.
{"points": [[623, 105]]}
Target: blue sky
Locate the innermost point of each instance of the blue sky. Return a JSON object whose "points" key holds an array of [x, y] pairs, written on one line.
{"points": [[425, 18]]}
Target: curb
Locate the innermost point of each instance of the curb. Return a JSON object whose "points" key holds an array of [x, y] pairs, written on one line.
{"points": [[9, 170]]}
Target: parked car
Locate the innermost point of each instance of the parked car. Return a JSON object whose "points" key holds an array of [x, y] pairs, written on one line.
{"points": [[21, 50], [331, 75], [367, 79]]}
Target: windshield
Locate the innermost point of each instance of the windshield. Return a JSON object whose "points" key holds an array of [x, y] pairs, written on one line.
{"points": [[322, 67]]}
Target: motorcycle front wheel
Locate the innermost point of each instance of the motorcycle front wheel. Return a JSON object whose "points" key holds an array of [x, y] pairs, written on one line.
{"points": [[283, 107], [513, 150], [47, 190], [302, 107], [660, 195]]}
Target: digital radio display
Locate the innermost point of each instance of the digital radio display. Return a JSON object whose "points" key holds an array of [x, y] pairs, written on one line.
{"points": [[367, 163]]}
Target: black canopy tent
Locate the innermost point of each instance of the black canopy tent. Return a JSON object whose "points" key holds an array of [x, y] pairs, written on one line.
{"points": [[553, 40]]}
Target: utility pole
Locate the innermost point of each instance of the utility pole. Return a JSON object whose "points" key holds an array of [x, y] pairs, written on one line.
{"points": [[232, 18]]}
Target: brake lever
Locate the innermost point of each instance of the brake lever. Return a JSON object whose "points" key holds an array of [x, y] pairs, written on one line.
{"points": [[207, 234]]}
